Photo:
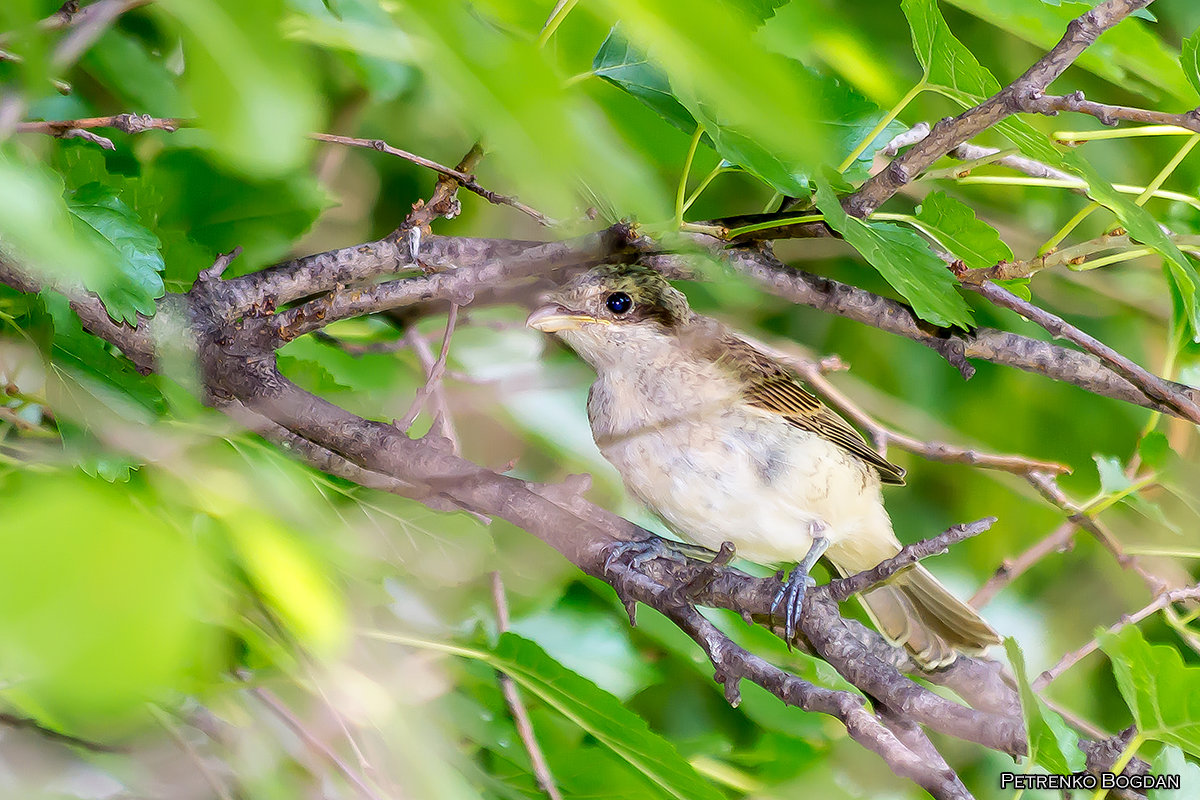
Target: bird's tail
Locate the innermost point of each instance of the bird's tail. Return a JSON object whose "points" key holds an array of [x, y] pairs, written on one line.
{"points": [[914, 610]]}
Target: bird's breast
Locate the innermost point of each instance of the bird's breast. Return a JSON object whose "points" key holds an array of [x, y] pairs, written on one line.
{"points": [[721, 471]]}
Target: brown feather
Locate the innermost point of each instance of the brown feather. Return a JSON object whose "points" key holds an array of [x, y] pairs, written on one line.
{"points": [[771, 387]]}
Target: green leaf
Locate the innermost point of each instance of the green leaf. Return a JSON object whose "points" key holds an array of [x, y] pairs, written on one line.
{"points": [[138, 78], [1130, 55], [953, 71], [1154, 449], [217, 209], [1172, 761], [1052, 743], [1144, 228], [1113, 480], [950, 68], [101, 602], [289, 577], [1189, 59], [956, 228], [839, 117], [510, 92], [91, 360], [1018, 286], [131, 250], [904, 259], [1161, 691], [1112, 474], [38, 229], [252, 89], [602, 716], [618, 63]]}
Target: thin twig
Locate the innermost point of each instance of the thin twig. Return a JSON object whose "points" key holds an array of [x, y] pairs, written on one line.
{"points": [[1059, 541], [433, 379], [277, 707], [842, 588], [1149, 383], [1075, 656], [951, 132], [463, 179], [1051, 105], [931, 451], [134, 123], [512, 697], [1048, 487], [206, 772], [444, 202], [29, 724], [126, 123]]}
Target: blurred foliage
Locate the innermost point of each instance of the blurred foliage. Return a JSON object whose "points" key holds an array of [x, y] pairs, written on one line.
{"points": [[163, 571]]}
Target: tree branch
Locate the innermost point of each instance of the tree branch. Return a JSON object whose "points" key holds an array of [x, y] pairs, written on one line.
{"points": [[952, 132]]}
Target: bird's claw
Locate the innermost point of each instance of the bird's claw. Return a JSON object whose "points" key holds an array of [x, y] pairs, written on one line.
{"points": [[791, 598], [637, 553]]}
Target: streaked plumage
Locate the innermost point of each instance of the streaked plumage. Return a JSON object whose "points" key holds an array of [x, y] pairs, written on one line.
{"points": [[725, 444]]}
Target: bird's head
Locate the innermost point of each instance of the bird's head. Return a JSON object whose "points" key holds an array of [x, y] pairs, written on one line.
{"points": [[613, 310]]}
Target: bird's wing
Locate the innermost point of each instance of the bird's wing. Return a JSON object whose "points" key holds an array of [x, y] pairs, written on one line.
{"points": [[772, 388]]}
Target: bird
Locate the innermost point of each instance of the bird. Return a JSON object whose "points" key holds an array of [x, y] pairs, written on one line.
{"points": [[725, 444]]}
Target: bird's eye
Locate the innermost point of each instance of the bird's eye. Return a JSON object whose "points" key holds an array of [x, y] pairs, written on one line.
{"points": [[619, 303]]}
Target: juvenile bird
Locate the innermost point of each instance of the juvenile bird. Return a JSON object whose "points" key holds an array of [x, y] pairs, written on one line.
{"points": [[725, 444]]}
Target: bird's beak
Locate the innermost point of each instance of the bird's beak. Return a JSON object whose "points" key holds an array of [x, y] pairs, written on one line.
{"points": [[554, 318]]}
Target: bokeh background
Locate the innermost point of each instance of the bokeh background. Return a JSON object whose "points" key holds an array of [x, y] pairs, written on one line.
{"points": [[236, 625]]}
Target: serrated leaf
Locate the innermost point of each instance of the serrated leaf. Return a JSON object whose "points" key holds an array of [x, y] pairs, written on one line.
{"points": [[1162, 692], [904, 260], [93, 360], [958, 230], [602, 715], [130, 248], [839, 118], [1052, 743], [1131, 55], [953, 71], [1144, 228]]}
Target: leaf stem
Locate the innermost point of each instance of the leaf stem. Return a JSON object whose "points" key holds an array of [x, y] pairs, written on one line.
{"points": [[1164, 552], [429, 644], [1121, 133], [556, 17], [1060, 183], [717, 170], [681, 190], [1115, 258], [1065, 231], [775, 223], [888, 118], [1166, 171], [1122, 761]]}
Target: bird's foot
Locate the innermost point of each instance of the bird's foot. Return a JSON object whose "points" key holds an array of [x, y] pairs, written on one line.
{"points": [[639, 552], [791, 595], [790, 599]]}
